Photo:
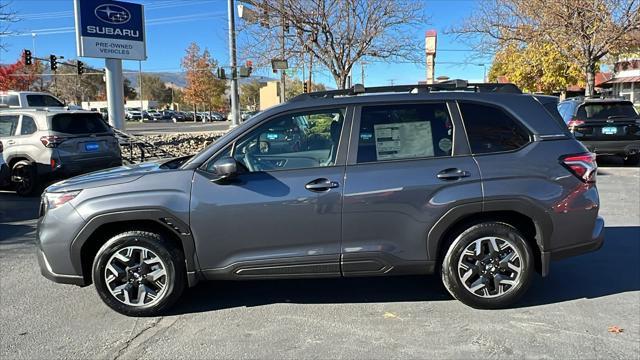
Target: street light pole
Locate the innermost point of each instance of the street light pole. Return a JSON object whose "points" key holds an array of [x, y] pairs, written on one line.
{"points": [[232, 55]]}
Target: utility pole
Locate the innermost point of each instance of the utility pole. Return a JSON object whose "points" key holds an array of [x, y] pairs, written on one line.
{"points": [[362, 64], [140, 82], [283, 88], [235, 120]]}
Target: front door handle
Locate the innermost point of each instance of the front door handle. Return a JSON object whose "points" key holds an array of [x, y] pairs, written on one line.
{"points": [[452, 174], [320, 185]]}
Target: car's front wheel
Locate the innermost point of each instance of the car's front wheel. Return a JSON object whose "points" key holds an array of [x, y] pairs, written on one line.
{"points": [[139, 273], [488, 266]]}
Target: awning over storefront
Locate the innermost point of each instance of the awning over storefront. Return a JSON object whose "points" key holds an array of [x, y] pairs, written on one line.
{"points": [[626, 79]]}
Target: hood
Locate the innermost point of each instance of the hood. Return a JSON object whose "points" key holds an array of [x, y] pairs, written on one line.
{"points": [[113, 176]]}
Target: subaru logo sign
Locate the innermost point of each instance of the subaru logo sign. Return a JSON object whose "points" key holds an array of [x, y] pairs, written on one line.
{"points": [[112, 14]]}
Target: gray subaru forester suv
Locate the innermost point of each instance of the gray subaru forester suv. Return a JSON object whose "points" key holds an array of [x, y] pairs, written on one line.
{"points": [[476, 182]]}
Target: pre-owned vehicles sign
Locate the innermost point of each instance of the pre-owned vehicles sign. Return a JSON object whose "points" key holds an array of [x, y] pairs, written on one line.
{"points": [[110, 29]]}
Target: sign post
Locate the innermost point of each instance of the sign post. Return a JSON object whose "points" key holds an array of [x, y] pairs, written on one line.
{"points": [[113, 30]]}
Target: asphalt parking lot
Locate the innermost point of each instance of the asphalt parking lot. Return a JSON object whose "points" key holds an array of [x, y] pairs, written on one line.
{"points": [[566, 315]]}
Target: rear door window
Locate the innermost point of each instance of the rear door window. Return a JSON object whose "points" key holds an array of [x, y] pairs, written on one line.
{"points": [[78, 123], [491, 129], [8, 125], [42, 100], [406, 131], [608, 110], [28, 126]]}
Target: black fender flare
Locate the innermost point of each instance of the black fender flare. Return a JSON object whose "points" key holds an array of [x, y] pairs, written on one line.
{"points": [[159, 216], [523, 206]]}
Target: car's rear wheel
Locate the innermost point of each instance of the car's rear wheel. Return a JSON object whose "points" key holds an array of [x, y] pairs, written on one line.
{"points": [[488, 266], [139, 273], [632, 160], [24, 178]]}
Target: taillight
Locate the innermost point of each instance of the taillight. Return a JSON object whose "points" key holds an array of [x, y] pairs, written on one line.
{"points": [[575, 123], [583, 166], [51, 141]]}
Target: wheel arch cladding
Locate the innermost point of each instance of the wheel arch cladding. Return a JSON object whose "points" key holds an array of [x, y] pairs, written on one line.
{"points": [[454, 222], [101, 228]]}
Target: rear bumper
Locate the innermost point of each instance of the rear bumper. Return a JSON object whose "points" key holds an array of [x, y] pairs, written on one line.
{"points": [[595, 243], [613, 147]]}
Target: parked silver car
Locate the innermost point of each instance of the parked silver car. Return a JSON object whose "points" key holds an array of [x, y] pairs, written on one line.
{"points": [[4, 169], [41, 145]]}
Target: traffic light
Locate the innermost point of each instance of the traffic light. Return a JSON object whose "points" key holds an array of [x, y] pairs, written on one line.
{"points": [[305, 88], [220, 73], [28, 60], [249, 65], [53, 62], [80, 67]]}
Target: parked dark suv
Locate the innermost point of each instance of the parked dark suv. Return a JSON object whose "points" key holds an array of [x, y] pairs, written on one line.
{"points": [[606, 126], [478, 183]]}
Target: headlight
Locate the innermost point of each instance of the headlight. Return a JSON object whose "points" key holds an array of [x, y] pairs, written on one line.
{"points": [[57, 199]]}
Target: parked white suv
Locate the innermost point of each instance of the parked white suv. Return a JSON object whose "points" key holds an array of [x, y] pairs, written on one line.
{"points": [[46, 144], [31, 99]]}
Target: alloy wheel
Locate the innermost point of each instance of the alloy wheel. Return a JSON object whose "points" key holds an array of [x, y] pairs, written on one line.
{"points": [[490, 267], [136, 276]]}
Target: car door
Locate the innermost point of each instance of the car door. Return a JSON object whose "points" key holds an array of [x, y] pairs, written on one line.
{"points": [[280, 216], [8, 135], [407, 167]]}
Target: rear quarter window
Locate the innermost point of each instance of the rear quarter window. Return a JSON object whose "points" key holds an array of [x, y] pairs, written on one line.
{"points": [[491, 129], [9, 100], [79, 123]]}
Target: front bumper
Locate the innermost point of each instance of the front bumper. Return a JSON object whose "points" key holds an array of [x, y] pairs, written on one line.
{"points": [[595, 243], [613, 147], [46, 271], [4, 174]]}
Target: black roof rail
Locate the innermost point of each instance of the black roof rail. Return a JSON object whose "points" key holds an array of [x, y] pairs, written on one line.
{"points": [[450, 85]]}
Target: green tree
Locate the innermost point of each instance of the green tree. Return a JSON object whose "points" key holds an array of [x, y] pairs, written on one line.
{"points": [[536, 68], [153, 88], [250, 95], [295, 87]]}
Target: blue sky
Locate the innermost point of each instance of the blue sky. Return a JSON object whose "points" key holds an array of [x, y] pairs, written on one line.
{"points": [[173, 24]]}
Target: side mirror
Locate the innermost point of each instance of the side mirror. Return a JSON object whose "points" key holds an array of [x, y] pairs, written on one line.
{"points": [[225, 168]]}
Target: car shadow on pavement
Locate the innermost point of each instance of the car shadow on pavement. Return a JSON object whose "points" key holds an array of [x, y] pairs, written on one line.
{"points": [[613, 269]]}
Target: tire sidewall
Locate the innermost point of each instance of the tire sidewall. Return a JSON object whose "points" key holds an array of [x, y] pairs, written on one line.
{"points": [[30, 170], [153, 242], [450, 263]]}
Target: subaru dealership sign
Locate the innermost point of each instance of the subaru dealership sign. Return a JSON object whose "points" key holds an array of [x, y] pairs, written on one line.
{"points": [[110, 29]]}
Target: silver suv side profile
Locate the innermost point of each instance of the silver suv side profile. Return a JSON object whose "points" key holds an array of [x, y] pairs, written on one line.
{"points": [[44, 144], [476, 182]]}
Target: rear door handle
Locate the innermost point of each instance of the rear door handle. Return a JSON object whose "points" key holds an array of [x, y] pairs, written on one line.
{"points": [[452, 174], [320, 185], [11, 142]]}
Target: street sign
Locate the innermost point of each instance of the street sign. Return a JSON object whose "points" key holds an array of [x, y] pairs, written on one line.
{"points": [[110, 29]]}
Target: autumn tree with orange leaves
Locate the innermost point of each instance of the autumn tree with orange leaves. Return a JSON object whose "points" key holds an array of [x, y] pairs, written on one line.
{"points": [[18, 76], [203, 89]]}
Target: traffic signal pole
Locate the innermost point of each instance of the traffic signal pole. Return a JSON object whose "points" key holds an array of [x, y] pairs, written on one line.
{"points": [[115, 91]]}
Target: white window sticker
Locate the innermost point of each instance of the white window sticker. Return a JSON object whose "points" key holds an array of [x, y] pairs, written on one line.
{"points": [[403, 140]]}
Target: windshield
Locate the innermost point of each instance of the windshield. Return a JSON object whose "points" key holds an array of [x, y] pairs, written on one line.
{"points": [[606, 110], [80, 123], [43, 100]]}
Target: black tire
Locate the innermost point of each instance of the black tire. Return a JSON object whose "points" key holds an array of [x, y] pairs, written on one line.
{"points": [[172, 259], [632, 160], [452, 275], [27, 173]]}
